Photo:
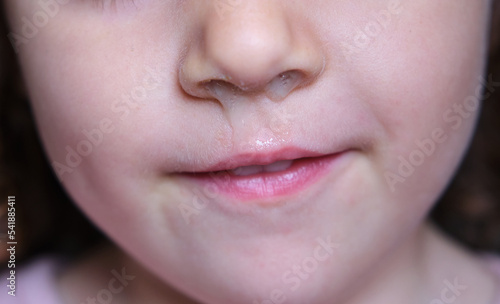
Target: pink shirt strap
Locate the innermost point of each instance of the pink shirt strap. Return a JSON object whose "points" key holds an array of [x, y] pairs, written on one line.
{"points": [[34, 283], [493, 263]]}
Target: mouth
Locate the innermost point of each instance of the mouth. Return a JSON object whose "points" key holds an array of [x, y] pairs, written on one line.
{"points": [[264, 177]]}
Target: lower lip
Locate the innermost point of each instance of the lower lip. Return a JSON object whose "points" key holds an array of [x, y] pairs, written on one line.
{"points": [[299, 176]]}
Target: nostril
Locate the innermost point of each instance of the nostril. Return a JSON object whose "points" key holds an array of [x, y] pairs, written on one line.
{"points": [[276, 89], [280, 86], [221, 89]]}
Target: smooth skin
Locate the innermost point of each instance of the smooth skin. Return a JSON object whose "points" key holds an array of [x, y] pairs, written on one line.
{"points": [[370, 77]]}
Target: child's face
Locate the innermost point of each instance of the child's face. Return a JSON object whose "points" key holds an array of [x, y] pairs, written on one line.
{"points": [[129, 99]]}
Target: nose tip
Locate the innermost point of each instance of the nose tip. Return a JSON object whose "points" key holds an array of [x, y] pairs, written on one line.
{"points": [[255, 49]]}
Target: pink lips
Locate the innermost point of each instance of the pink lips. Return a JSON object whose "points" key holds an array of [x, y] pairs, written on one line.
{"points": [[244, 178]]}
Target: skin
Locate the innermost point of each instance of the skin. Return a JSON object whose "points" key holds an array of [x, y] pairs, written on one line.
{"points": [[376, 95]]}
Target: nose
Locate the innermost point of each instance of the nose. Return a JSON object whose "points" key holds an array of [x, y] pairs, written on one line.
{"points": [[256, 47]]}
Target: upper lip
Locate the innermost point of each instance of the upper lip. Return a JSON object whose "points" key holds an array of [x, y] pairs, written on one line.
{"points": [[260, 158]]}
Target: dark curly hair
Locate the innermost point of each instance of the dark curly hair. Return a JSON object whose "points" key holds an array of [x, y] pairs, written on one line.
{"points": [[47, 222]]}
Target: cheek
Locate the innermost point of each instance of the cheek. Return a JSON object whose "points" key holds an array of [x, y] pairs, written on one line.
{"points": [[424, 91], [418, 78], [84, 78], [86, 85]]}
